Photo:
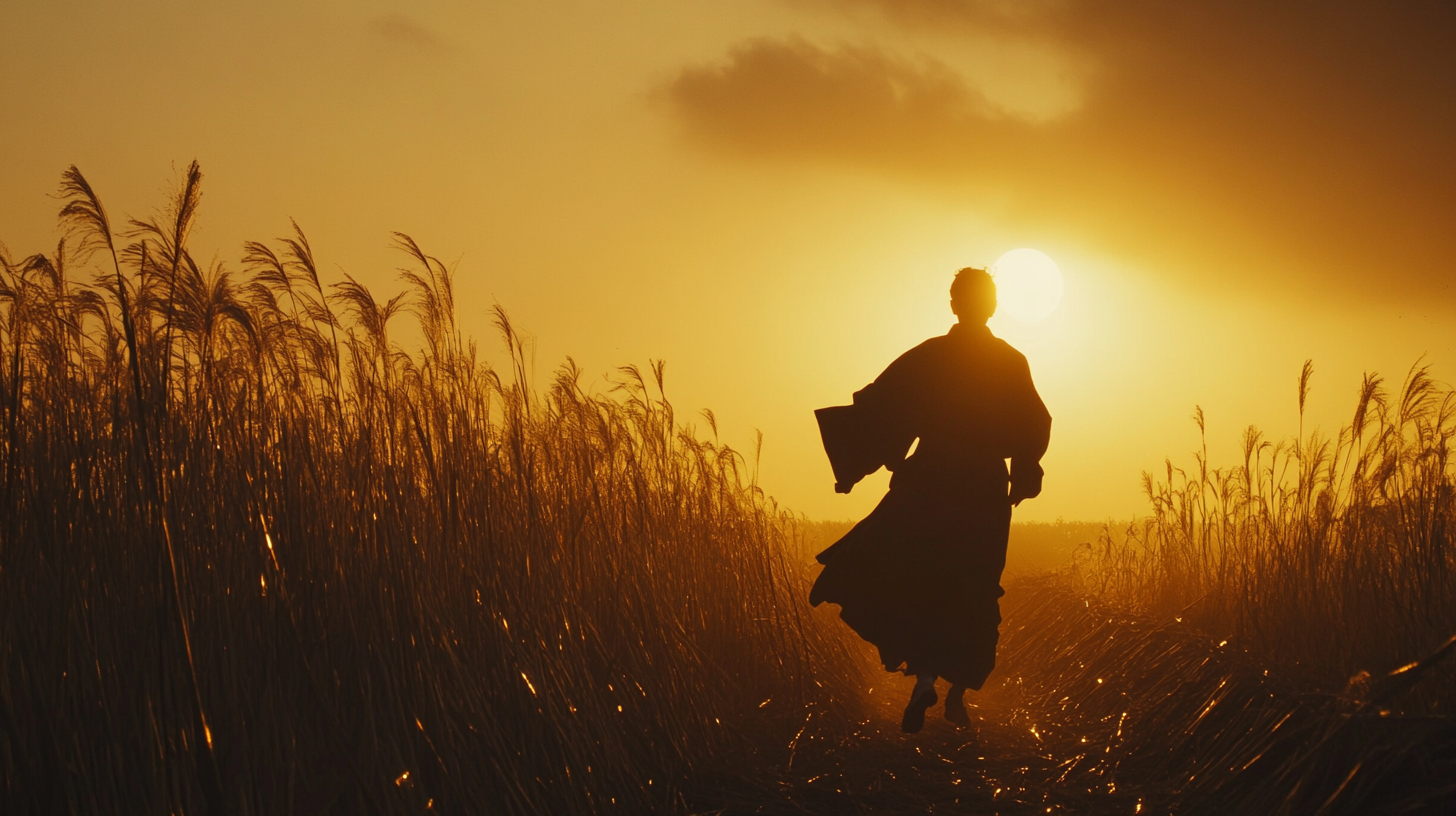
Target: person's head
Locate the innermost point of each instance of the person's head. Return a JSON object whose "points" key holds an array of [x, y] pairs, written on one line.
{"points": [[973, 295]]}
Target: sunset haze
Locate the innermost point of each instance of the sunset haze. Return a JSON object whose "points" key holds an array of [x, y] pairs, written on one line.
{"points": [[773, 197]]}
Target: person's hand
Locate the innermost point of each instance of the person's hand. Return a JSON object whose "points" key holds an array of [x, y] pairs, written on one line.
{"points": [[1019, 495], [1025, 482]]}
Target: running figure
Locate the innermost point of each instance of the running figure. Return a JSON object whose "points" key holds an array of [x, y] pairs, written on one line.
{"points": [[920, 576]]}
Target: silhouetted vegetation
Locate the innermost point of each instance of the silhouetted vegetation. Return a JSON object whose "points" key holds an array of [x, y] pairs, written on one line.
{"points": [[255, 557], [1325, 556]]}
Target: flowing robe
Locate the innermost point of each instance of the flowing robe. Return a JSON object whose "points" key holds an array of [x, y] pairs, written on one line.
{"points": [[920, 576]]}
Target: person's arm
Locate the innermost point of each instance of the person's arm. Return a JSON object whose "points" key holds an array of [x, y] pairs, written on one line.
{"points": [[1032, 438]]}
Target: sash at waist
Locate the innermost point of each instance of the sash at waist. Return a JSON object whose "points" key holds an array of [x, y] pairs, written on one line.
{"points": [[943, 470]]}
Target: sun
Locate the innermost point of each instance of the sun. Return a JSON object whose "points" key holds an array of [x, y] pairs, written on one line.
{"points": [[1028, 285]]}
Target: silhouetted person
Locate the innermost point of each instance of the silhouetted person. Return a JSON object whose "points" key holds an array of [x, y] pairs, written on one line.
{"points": [[920, 576]]}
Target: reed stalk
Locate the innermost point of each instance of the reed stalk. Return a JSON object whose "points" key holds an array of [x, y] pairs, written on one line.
{"points": [[1326, 555], [256, 557]]}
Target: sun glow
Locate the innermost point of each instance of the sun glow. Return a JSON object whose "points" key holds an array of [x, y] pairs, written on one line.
{"points": [[1028, 285]]}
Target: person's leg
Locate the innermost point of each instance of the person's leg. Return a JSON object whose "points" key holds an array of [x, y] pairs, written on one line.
{"points": [[921, 698], [955, 705]]}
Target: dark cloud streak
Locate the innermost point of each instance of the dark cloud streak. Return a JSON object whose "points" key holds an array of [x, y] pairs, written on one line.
{"points": [[1311, 139], [399, 30]]}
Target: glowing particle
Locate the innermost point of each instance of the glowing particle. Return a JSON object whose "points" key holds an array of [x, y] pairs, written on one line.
{"points": [[402, 778], [533, 688]]}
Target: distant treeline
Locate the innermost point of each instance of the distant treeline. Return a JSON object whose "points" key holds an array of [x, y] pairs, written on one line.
{"points": [[1036, 547]]}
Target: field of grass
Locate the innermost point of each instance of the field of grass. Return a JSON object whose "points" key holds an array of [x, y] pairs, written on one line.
{"points": [[257, 557], [1329, 556], [254, 557]]}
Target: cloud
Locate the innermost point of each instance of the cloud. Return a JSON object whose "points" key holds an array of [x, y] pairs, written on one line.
{"points": [[1311, 137], [791, 96], [400, 31], [980, 14]]}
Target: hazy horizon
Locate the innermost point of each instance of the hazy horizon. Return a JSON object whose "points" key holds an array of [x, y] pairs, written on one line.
{"points": [[741, 191]]}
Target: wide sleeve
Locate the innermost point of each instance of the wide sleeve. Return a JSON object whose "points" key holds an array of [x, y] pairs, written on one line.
{"points": [[876, 431], [849, 443]]}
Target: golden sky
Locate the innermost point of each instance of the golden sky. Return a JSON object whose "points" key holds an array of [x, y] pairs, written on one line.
{"points": [[773, 195]]}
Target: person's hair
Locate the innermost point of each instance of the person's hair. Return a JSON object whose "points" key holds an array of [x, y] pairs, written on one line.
{"points": [[973, 294]]}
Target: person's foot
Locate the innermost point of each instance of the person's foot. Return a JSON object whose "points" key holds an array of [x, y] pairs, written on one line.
{"points": [[921, 698], [955, 706]]}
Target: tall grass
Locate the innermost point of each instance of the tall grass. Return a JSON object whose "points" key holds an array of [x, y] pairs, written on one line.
{"points": [[1325, 555], [256, 558]]}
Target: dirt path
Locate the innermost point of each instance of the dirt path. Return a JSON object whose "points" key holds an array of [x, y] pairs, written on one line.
{"points": [[1008, 762], [1092, 712], [1018, 757]]}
